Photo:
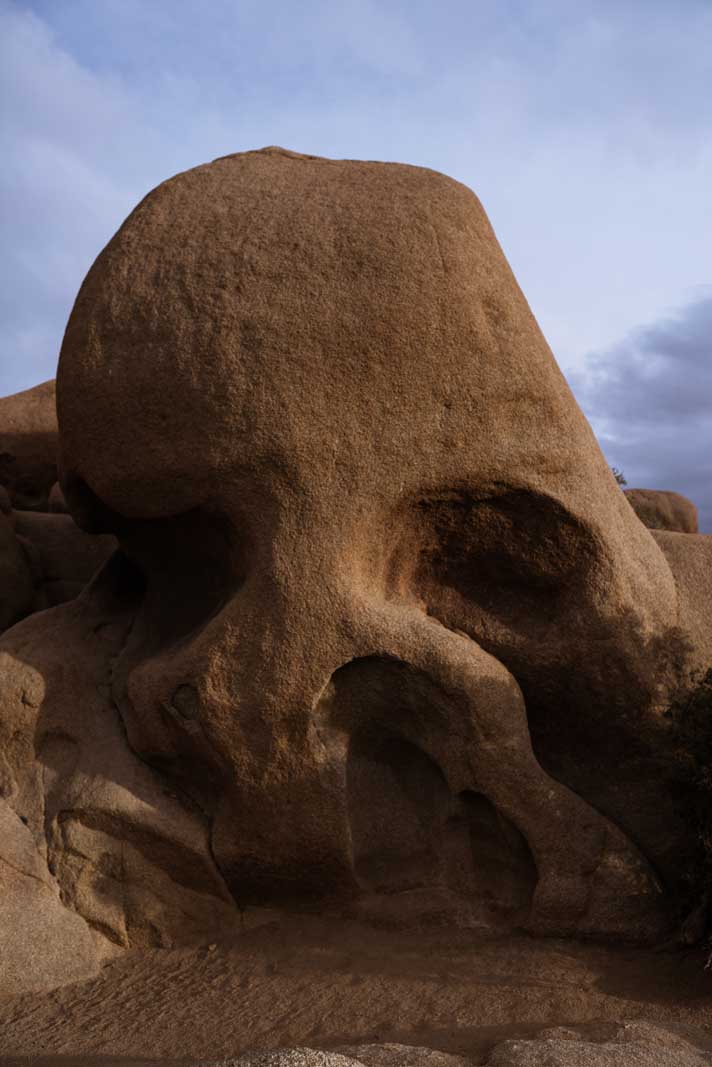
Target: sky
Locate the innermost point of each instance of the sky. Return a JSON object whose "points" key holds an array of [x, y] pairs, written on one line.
{"points": [[585, 129]]}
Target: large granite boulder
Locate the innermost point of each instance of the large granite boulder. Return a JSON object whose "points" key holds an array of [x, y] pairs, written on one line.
{"points": [[382, 627]]}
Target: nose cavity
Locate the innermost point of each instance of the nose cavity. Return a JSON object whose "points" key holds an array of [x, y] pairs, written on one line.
{"points": [[417, 844]]}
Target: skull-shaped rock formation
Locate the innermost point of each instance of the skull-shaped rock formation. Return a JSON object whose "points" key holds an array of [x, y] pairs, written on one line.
{"points": [[382, 626], [661, 509]]}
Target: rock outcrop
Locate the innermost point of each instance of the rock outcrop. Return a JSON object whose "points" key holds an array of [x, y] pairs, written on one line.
{"points": [[381, 626], [63, 557], [638, 1044], [28, 446], [660, 509], [45, 560], [17, 583], [631, 1045]]}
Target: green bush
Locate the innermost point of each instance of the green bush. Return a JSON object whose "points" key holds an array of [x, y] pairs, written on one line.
{"points": [[690, 716]]}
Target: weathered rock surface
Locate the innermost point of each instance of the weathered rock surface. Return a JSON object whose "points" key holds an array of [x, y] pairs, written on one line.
{"points": [[637, 1044], [28, 446], [391, 1055], [661, 509], [633, 1045], [289, 1057], [64, 557], [689, 557], [388, 1055], [383, 636], [41, 562], [43, 942], [44, 560], [126, 852], [336, 407]]}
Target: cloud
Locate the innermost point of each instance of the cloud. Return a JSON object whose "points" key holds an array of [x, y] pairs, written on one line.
{"points": [[583, 128], [649, 398], [57, 120]]}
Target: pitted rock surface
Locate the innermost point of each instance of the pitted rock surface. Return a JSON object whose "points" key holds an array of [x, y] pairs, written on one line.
{"points": [[392, 1055], [634, 1045], [336, 407], [290, 1057], [380, 622], [387, 1055]]}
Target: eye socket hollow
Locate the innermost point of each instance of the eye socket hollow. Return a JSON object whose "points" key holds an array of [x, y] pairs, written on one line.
{"points": [[192, 563], [515, 556]]}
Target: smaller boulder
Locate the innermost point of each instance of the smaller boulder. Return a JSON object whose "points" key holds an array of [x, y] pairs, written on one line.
{"points": [[388, 1055], [392, 1055], [45, 560], [661, 509], [65, 557], [17, 587], [28, 446], [634, 1044], [286, 1057]]}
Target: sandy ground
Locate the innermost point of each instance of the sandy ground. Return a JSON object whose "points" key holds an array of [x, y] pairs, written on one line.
{"points": [[327, 982]]}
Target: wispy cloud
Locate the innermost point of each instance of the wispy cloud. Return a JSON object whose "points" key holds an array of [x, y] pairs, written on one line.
{"points": [[649, 398], [583, 127]]}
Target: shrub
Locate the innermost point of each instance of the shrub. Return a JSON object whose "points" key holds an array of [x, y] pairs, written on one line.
{"points": [[690, 716]]}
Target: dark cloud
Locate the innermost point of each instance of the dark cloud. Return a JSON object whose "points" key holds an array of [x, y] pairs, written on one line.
{"points": [[649, 398]]}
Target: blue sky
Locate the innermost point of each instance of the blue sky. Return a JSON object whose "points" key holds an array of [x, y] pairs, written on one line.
{"points": [[585, 128]]}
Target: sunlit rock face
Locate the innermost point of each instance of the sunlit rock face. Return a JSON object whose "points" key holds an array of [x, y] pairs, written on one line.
{"points": [[383, 634]]}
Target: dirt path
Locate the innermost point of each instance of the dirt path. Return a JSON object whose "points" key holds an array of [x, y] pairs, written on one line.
{"points": [[323, 982]]}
